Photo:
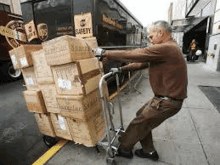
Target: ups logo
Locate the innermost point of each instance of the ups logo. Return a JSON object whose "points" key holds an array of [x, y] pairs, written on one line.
{"points": [[83, 22], [42, 31]]}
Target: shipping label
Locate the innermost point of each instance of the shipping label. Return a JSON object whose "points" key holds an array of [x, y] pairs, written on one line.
{"points": [[29, 80], [64, 84], [61, 122], [14, 60], [23, 61]]}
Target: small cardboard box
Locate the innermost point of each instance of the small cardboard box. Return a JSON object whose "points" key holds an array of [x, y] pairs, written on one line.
{"points": [[88, 132], [30, 78], [35, 101], [49, 94], [45, 124], [42, 70], [66, 49], [21, 56], [79, 107], [61, 126], [79, 78]]}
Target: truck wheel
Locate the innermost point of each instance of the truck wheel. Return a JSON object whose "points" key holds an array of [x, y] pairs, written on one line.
{"points": [[49, 141], [11, 74]]}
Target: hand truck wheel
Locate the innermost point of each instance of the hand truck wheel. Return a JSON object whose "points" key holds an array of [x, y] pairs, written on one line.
{"points": [[111, 161], [49, 141]]}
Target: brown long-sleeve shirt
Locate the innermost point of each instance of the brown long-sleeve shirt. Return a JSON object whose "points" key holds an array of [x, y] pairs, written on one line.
{"points": [[167, 67]]}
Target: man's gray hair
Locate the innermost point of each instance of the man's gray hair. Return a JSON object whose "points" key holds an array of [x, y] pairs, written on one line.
{"points": [[162, 24]]}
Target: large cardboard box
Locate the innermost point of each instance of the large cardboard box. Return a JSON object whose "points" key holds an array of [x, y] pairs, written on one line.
{"points": [[87, 132], [45, 124], [79, 78], [66, 49], [21, 56], [79, 107], [42, 70], [35, 101], [30, 78], [49, 94], [61, 126]]}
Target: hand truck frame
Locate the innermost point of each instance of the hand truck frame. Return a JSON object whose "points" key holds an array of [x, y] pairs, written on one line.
{"points": [[107, 106]]}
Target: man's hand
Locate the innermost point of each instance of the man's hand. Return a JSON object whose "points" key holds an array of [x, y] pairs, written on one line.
{"points": [[116, 70], [99, 53]]}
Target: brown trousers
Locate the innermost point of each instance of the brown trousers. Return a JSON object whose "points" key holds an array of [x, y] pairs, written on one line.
{"points": [[151, 115]]}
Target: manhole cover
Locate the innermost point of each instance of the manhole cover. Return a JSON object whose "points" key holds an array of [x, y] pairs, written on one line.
{"points": [[213, 94]]}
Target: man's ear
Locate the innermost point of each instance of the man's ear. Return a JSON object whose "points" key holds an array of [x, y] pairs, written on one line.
{"points": [[161, 32]]}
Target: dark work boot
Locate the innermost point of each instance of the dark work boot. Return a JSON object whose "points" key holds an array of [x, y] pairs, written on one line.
{"points": [[151, 155], [124, 153]]}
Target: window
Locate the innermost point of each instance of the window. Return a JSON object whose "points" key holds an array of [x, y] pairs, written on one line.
{"points": [[4, 7], [7, 8], [1, 7]]}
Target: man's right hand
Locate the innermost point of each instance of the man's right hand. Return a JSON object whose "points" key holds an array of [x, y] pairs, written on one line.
{"points": [[116, 70], [99, 53]]}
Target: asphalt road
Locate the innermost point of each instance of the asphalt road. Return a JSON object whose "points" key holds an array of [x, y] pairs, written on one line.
{"points": [[20, 140]]}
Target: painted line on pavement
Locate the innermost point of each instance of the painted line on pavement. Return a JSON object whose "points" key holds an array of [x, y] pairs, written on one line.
{"points": [[50, 153]]}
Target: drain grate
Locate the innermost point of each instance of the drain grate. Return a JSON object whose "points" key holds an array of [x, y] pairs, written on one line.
{"points": [[213, 94]]}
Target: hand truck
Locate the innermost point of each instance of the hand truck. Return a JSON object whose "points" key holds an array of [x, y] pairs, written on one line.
{"points": [[111, 132]]}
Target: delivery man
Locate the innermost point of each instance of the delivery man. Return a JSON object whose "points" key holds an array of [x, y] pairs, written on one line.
{"points": [[192, 49], [168, 79]]}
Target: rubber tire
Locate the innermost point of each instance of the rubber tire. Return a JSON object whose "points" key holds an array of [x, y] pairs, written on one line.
{"points": [[7, 70], [49, 141], [113, 162]]}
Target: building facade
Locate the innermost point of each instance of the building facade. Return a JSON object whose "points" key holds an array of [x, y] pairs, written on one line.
{"points": [[213, 57], [199, 20]]}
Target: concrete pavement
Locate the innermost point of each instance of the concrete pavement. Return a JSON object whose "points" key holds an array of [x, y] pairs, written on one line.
{"points": [[21, 142], [189, 138]]}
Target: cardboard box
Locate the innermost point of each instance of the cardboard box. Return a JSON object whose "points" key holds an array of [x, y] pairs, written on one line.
{"points": [[66, 49], [92, 42], [45, 124], [79, 107], [88, 132], [61, 126], [49, 94], [35, 101], [42, 70], [21, 56], [30, 78], [79, 78]]}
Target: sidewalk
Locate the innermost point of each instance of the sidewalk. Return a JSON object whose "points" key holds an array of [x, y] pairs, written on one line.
{"points": [[189, 138]]}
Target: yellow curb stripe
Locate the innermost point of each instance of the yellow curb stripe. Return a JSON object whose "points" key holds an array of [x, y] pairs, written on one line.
{"points": [[50, 153]]}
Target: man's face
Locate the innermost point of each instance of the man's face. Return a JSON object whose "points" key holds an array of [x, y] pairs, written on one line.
{"points": [[155, 37]]}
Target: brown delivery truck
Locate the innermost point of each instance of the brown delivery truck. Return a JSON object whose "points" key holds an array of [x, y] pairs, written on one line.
{"points": [[109, 21]]}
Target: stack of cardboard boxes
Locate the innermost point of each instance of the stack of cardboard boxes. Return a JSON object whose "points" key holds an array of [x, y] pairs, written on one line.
{"points": [[62, 80]]}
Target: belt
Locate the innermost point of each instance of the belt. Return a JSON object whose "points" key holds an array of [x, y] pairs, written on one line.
{"points": [[168, 98]]}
